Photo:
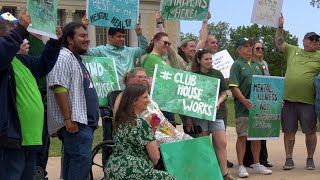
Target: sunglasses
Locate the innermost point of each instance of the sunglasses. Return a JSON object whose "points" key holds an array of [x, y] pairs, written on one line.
{"points": [[258, 48], [314, 39], [166, 43]]}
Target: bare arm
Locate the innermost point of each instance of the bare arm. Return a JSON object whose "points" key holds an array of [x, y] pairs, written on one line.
{"points": [[221, 98], [159, 21], [63, 103], [153, 151], [279, 39], [237, 93], [203, 33]]}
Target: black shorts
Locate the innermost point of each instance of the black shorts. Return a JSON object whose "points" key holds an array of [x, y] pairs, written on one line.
{"points": [[292, 112]]}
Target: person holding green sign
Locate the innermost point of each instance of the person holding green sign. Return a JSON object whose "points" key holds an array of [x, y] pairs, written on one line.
{"points": [[257, 56], [22, 111], [157, 49], [136, 151], [241, 73], [202, 64]]}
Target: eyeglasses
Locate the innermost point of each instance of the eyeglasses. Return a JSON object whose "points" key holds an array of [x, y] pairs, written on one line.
{"points": [[166, 43], [314, 39], [258, 48], [142, 77]]}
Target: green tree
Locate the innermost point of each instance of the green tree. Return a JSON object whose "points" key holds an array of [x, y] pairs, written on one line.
{"points": [[188, 36], [221, 31], [315, 3], [277, 64]]}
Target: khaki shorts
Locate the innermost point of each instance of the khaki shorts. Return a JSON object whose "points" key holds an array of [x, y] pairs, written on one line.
{"points": [[242, 126]]}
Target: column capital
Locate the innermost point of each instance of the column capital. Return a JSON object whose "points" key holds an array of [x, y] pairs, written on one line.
{"points": [[69, 13]]}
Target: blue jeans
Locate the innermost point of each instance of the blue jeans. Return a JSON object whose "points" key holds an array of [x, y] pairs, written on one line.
{"points": [[317, 103], [77, 153], [18, 164]]}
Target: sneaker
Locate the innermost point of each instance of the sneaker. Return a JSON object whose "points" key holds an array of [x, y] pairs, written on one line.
{"points": [[260, 169], [229, 177], [310, 164], [289, 164], [242, 172], [229, 164]]}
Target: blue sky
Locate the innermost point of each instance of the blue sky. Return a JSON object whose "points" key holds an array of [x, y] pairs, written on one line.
{"points": [[299, 16]]}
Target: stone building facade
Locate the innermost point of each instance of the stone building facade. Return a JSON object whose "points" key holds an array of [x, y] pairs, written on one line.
{"points": [[73, 10]]}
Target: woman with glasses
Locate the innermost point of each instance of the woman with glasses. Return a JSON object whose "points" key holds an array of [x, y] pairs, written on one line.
{"points": [[257, 55], [158, 47], [202, 64]]}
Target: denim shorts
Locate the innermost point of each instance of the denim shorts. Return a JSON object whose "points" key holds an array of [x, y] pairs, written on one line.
{"points": [[205, 125], [292, 112]]}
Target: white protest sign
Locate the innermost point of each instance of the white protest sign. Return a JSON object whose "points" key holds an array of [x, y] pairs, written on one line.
{"points": [[266, 12], [223, 62]]}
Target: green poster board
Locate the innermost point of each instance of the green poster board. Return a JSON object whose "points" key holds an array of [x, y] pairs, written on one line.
{"points": [[184, 10], [104, 76], [185, 92], [265, 115], [44, 17], [192, 159]]}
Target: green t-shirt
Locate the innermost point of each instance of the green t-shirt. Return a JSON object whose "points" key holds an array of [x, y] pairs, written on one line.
{"points": [[241, 73], [150, 61], [223, 86], [29, 104], [302, 69]]}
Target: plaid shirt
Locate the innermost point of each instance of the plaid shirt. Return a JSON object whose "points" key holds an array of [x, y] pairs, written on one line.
{"points": [[66, 73]]}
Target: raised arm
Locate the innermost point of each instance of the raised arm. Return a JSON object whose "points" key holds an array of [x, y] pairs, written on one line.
{"points": [[203, 32], [279, 39], [10, 42]]}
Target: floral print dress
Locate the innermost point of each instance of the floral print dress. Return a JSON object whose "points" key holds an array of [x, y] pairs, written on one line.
{"points": [[129, 158]]}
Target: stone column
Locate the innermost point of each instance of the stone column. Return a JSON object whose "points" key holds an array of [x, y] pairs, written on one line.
{"points": [[92, 36], [69, 15]]}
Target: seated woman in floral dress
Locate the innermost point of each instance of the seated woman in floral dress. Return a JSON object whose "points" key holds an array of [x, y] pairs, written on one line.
{"points": [[136, 151]]}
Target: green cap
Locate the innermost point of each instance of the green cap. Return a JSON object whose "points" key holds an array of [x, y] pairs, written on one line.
{"points": [[184, 42], [242, 41]]}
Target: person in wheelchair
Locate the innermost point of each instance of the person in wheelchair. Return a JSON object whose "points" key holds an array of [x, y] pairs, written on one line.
{"points": [[165, 132], [136, 151]]}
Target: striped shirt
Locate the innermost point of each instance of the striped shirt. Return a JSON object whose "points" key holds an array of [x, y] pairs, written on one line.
{"points": [[66, 73]]}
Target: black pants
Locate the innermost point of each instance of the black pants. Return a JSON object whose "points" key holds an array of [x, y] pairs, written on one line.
{"points": [[248, 158]]}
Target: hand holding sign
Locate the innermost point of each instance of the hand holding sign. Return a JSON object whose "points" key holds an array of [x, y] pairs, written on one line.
{"points": [[247, 103], [159, 17], [85, 20], [208, 16], [281, 21], [24, 19], [139, 28]]}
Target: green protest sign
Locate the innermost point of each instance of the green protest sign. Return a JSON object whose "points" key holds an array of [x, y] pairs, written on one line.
{"points": [[265, 115], [184, 10], [185, 92], [103, 74], [44, 17], [191, 159]]}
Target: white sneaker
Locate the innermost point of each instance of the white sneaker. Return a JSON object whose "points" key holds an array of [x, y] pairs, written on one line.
{"points": [[260, 169], [242, 172]]}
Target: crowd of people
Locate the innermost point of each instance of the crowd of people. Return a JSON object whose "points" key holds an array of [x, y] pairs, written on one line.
{"points": [[68, 106]]}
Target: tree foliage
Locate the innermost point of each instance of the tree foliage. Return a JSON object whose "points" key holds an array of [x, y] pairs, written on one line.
{"points": [[266, 35], [188, 36], [221, 31], [315, 3], [227, 38]]}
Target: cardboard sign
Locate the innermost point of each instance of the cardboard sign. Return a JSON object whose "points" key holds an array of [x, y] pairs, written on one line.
{"points": [[266, 12]]}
